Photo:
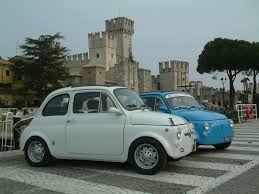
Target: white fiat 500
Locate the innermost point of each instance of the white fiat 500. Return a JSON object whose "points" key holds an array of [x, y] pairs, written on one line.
{"points": [[105, 124]]}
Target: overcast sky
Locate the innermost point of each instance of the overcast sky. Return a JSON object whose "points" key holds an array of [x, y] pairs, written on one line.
{"points": [[165, 29]]}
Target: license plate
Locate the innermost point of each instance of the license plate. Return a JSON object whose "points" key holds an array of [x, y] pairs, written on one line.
{"points": [[227, 139]]}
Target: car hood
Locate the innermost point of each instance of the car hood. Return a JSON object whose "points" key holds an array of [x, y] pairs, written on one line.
{"points": [[199, 115], [155, 118]]}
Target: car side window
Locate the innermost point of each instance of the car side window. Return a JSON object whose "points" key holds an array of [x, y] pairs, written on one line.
{"points": [[158, 103], [106, 103], [92, 102], [87, 102], [150, 102], [58, 105]]}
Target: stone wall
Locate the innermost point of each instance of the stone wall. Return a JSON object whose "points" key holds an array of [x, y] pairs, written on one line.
{"points": [[144, 80], [75, 62], [93, 75], [155, 83]]}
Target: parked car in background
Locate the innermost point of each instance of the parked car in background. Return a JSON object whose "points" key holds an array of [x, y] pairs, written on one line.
{"points": [[105, 124], [211, 128]]}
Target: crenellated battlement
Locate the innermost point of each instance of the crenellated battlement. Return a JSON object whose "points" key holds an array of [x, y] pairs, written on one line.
{"points": [[165, 66], [78, 57], [100, 35], [120, 25]]}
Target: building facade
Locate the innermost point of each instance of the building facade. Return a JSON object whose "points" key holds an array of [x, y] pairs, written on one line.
{"points": [[12, 88]]}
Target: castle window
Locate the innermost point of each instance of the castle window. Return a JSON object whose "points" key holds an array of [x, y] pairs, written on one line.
{"points": [[112, 55], [100, 72], [7, 72], [97, 55], [89, 72]]}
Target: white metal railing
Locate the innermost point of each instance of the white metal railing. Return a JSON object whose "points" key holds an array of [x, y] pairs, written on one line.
{"points": [[7, 120], [6, 131], [242, 112]]}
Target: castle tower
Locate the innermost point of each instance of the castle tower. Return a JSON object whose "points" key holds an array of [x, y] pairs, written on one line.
{"points": [[123, 29], [174, 75], [102, 49]]}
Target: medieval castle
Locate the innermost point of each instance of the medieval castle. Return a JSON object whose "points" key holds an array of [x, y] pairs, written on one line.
{"points": [[110, 62]]}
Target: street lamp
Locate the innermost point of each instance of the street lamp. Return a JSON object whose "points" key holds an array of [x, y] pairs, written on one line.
{"points": [[223, 81]]}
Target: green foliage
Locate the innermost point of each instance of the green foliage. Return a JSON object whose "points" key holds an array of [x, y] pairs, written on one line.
{"points": [[252, 53], [224, 55], [42, 63]]}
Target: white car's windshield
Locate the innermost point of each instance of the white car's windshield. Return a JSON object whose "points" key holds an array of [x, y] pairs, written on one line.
{"points": [[182, 101], [129, 99]]}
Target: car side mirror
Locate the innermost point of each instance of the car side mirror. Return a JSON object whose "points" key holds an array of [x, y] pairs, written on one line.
{"points": [[115, 110], [163, 108]]}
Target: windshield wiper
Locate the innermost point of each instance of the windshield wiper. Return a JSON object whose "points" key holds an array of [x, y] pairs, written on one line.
{"points": [[143, 107], [131, 105], [178, 107]]}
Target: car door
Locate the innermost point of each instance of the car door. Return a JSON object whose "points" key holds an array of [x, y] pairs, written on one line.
{"points": [[91, 128], [52, 122]]}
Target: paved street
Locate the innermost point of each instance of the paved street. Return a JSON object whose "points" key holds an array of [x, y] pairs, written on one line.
{"points": [[234, 170]]}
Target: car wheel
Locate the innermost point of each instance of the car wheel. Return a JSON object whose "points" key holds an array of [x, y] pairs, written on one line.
{"points": [[147, 156], [222, 146], [37, 152]]}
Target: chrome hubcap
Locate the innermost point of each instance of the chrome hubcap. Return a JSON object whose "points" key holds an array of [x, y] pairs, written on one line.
{"points": [[146, 156], [36, 151]]}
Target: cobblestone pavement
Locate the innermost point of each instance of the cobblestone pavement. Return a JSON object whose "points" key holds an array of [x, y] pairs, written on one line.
{"points": [[205, 171]]}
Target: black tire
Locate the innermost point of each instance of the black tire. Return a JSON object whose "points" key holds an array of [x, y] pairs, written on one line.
{"points": [[222, 146], [162, 156], [46, 159], [176, 159]]}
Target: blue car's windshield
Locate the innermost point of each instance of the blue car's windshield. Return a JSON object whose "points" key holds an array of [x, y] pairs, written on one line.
{"points": [[177, 101]]}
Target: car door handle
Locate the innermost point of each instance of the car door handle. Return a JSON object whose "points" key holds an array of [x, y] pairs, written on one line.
{"points": [[68, 121]]}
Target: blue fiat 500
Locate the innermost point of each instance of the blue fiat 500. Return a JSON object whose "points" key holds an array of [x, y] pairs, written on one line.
{"points": [[211, 128]]}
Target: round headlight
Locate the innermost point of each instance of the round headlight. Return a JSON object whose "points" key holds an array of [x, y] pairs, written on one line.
{"points": [[231, 123], [206, 126], [178, 133]]}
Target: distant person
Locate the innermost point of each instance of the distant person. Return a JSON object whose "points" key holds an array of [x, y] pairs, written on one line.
{"points": [[19, 112], [219, 103], [25, 112]]}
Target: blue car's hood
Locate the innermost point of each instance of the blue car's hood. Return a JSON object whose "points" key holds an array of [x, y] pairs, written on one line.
{"points": [[199, 115]]}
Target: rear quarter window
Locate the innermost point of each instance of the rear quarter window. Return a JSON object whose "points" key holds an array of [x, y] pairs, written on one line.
{"points": [[57, 105]]}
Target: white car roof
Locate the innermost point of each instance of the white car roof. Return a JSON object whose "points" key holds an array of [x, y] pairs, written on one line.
{"points": [[68, 89]]}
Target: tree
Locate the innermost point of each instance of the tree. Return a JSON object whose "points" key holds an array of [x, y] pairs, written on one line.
{"points": [[223, 55], [252, 55], [42, 63]]}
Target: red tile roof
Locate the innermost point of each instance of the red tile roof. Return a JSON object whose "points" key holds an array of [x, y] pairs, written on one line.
{"points": [[4, 62]]}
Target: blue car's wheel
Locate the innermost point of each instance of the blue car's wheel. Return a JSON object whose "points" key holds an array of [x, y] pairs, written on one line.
{"points": [[222, 146]]}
